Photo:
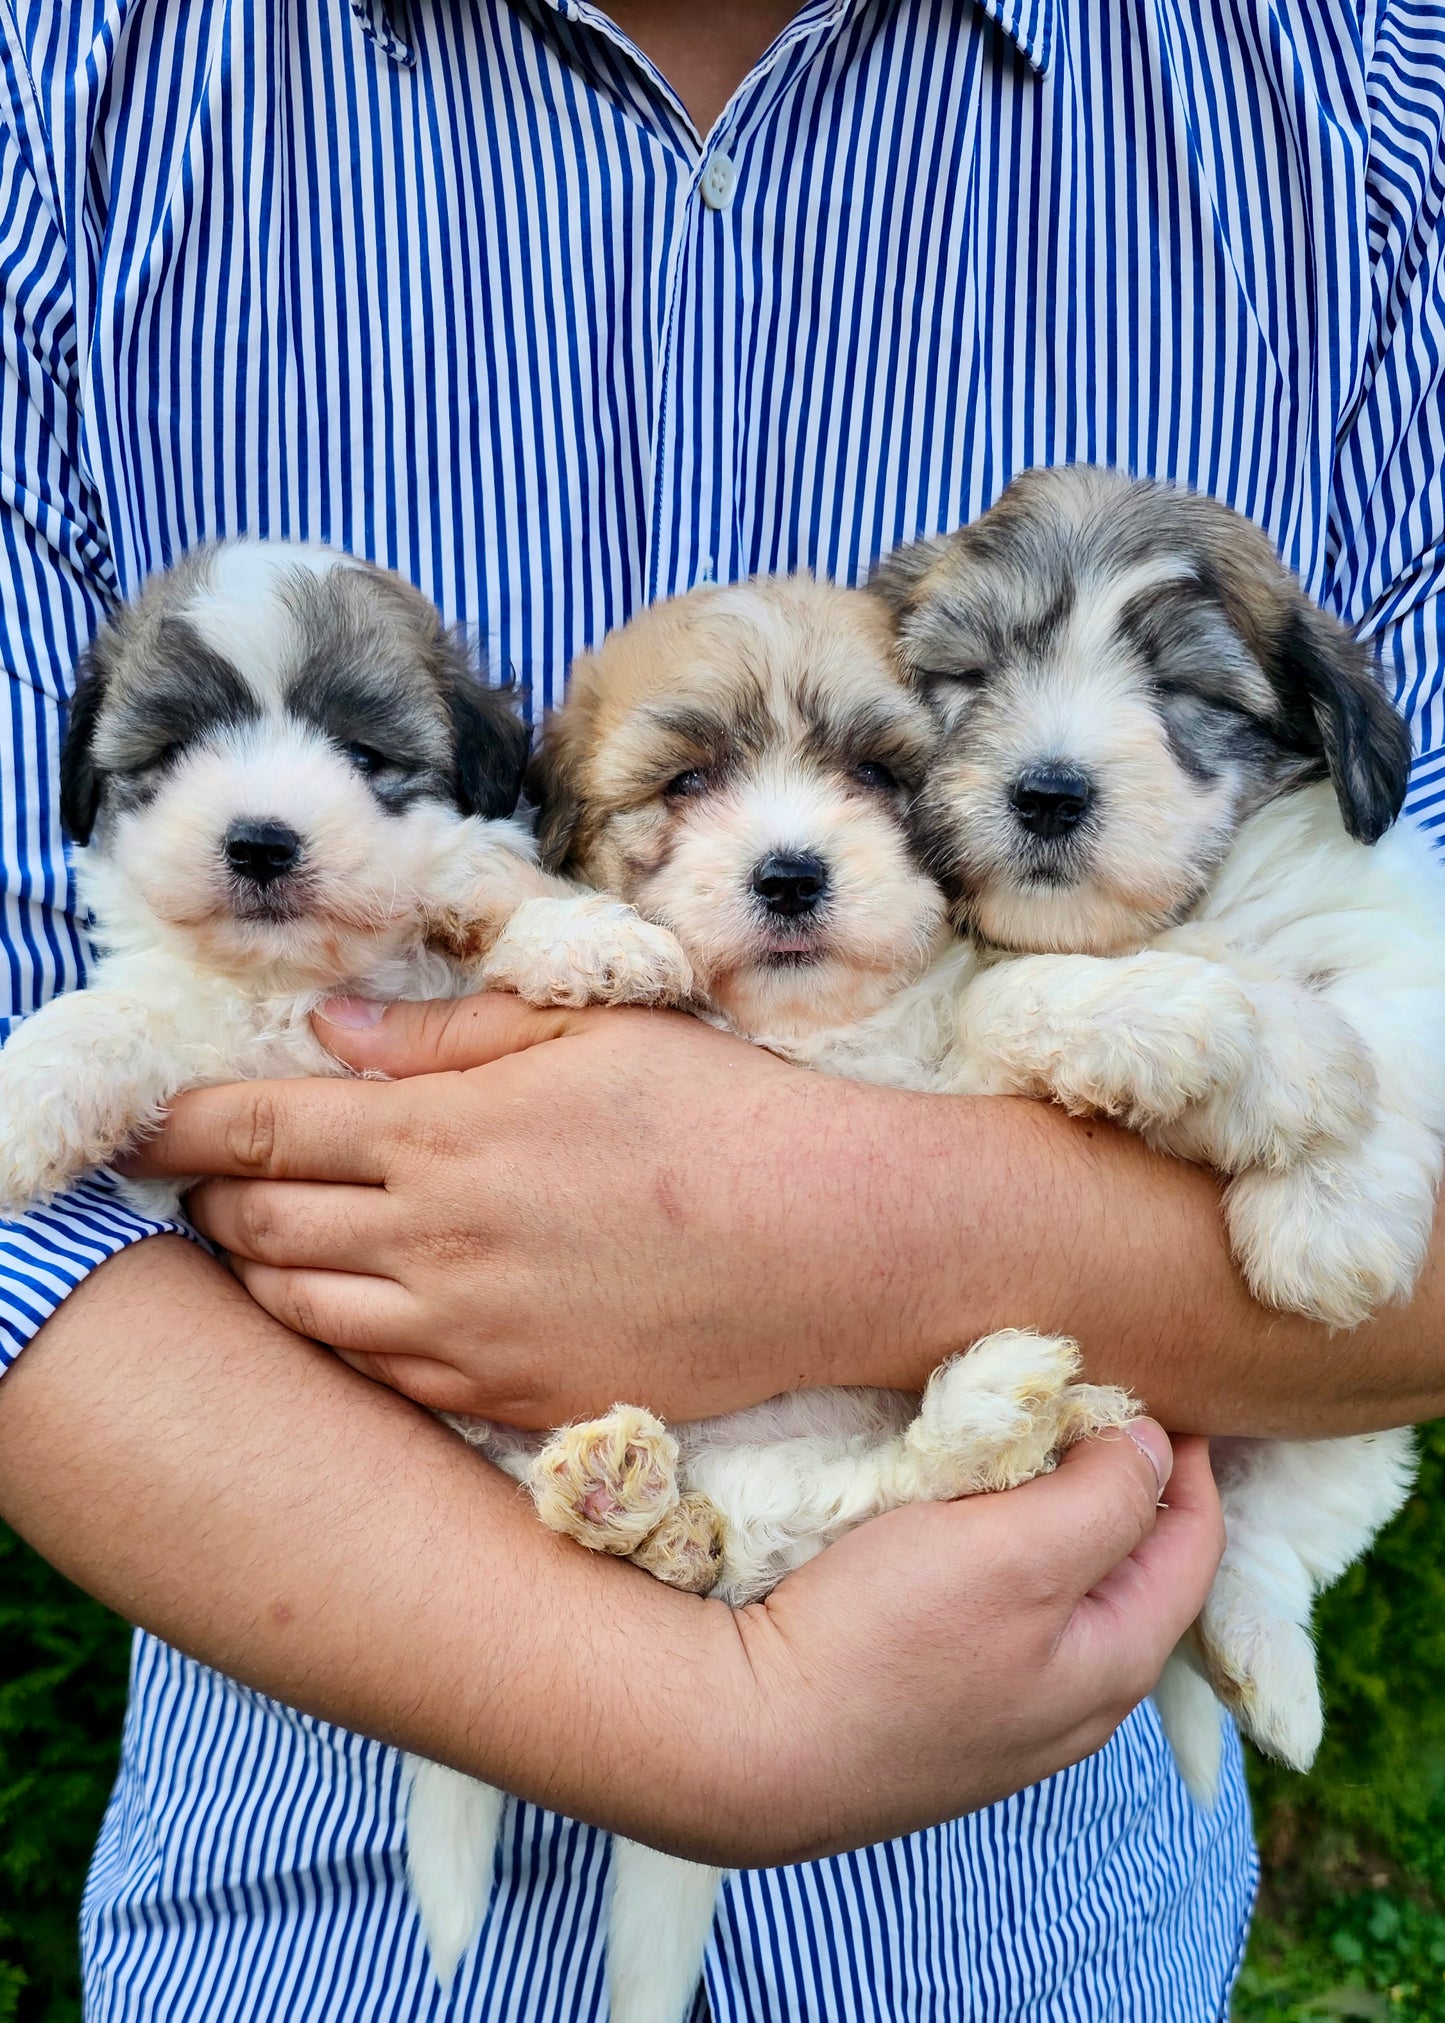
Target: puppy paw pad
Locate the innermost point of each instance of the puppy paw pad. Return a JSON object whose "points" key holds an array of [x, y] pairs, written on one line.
{"points": [[608, 1482]]}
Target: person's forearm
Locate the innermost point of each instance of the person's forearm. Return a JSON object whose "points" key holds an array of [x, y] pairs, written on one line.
{"points": [[254, 1502], [1021, 1216]]}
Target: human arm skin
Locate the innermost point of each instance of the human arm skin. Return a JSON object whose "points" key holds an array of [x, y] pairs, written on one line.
{"points": [[584, 1206], [249, 1498]]}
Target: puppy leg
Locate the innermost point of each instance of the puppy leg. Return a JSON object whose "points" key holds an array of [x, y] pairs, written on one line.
{"points": [[1342, 1231], [587, 949], [1138, 1038], [660, 1915], [608, 1482], [990, 1419], [1297, 1513], [452, 1826], [80, 1081], [1189, 1714]]}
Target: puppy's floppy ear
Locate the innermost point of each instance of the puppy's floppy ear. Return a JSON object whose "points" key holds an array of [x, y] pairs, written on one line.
{"points": [[554, 781], [490, 738], [895, 577], [81, 780], [1335, 697]]}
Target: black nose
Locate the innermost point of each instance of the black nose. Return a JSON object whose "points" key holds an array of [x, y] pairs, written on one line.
{"points": [[1051, 800], [261, 851], [790, 885]]}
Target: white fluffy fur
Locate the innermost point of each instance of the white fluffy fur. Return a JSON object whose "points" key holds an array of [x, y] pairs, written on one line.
{"points": [[1290, 1034]]}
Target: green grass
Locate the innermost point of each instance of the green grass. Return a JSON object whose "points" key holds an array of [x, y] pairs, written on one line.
{"points": [[1352, 1919]]}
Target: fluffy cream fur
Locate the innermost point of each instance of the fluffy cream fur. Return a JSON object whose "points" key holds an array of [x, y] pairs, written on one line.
{"points": [[711, 736]]}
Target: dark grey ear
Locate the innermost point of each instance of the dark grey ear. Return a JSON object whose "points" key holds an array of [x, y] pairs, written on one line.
{"points": [[898, 575], [1338, 707], [80, 779], [491, 739], [552, 782]]}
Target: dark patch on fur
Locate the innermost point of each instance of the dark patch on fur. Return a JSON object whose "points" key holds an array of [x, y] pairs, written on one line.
{"points": [[873, 733], [80, 782], [1336, 711], [380, 669], [491, 747], [190, 691]]}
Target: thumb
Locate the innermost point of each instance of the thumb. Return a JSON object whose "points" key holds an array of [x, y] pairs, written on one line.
{"points": [[396, 1040], [1103, 1499]]}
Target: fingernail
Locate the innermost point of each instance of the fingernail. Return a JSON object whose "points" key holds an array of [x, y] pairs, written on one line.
{"points": [[1151, 1439], [355, 1012]]}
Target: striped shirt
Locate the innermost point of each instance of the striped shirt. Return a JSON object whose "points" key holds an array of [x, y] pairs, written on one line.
{"points": [[458, 286]]}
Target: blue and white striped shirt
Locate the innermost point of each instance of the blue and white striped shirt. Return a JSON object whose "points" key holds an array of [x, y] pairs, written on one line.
{"points": [[458, 286]]}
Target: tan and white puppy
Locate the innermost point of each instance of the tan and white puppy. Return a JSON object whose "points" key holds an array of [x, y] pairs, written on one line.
{"points": [[1163, 804], [742, 766], [286, 778]]}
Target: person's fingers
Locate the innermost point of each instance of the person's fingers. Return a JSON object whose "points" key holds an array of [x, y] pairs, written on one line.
{"points": [[299, 1222], [304, 1130], [399, 1040], [425, 1381], [344, 1309], [1073, 1527]]}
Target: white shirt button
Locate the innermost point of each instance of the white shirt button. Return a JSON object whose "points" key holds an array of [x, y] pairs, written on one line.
{"points": [[719, 180]]}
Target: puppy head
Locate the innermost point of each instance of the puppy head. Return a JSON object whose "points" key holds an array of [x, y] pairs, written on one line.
{"points": [[269, 753], [1122, 673], [739, 765]]}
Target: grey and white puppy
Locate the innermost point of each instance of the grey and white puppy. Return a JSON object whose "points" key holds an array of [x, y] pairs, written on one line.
{"points": [[1163, 806], [286, 778]]}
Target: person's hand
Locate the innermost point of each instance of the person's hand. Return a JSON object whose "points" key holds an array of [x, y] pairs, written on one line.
{"points": [[950, 1654], [554, 1210]]}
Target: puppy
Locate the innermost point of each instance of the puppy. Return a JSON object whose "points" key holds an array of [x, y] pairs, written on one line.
{"points": [[1160, 806], [743, 767], [286, 779]]}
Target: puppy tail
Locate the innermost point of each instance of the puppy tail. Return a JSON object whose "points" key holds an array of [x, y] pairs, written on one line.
{"points": [[1190, 1716], [657, 1932], [452, 1823]]}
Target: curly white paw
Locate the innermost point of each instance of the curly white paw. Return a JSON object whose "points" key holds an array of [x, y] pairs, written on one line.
{"points": [[1002, 1413], [1138, 1039], [43, 1146], [588, 950], [1312, 1242]]}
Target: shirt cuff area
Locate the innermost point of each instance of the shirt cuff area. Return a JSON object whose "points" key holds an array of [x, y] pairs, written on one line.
{"points": [[44, 1255]]}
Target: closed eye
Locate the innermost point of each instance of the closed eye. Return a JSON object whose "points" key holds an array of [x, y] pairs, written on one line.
{"points": [[163, 755], [958, 677], [1166, 690], [368, 761]]}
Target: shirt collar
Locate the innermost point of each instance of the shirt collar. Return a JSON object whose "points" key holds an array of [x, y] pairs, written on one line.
{"points": [[1028, 24]]}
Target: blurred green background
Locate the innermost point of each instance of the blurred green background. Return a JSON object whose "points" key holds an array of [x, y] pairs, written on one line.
{"points": [[1352, 1921]]}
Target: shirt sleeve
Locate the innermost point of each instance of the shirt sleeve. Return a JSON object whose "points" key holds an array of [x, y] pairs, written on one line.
{"points": [[56, 583], [1387, 531]]}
